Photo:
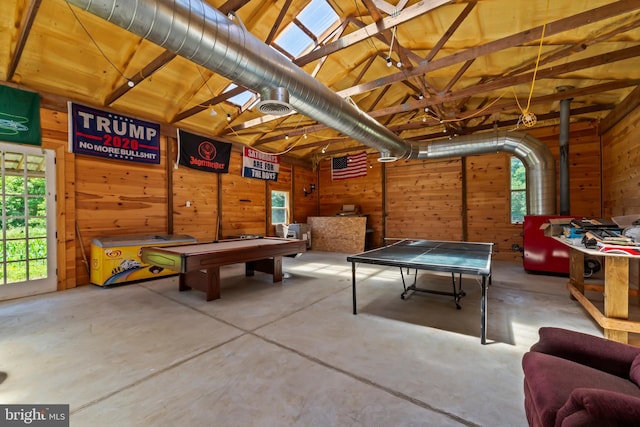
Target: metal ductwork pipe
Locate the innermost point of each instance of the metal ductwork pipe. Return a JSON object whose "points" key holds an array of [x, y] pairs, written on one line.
{"points": [[565, 110], [535, 155], [198, 32]]}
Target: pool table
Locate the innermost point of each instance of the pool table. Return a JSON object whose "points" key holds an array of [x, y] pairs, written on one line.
{"points": [[199, 263]]}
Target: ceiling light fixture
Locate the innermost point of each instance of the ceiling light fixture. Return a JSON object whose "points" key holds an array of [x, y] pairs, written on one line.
{"points": [[130, 83], [389, 61], [228, 117]]}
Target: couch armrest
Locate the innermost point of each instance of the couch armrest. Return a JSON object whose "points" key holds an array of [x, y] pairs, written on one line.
{"points": [[599, 407], [599, 353]]}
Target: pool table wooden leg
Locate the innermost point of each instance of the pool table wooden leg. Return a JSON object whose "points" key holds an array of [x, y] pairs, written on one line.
{"points": [[213, 283], [207, 282], [271, 266]]}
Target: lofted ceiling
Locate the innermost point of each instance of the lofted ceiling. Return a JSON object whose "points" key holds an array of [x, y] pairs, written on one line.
{"points": [[457, 67]]}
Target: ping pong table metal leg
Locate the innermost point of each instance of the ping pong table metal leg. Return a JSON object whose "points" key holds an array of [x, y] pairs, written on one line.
{"points": [[457, 292], [483, 312], [353, 286], [411, 287]]}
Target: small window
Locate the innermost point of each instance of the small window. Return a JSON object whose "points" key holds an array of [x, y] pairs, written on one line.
{"points": [[518, 191], [279, 207]]}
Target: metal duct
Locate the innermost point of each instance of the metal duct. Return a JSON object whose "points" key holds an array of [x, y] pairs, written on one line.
{"points": [[203, 35], [535, 155], [195, 30]]}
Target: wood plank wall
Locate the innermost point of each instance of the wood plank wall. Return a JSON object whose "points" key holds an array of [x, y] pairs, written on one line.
{"points": [[461, 199], [243, 200], [585, 157], [621, 171], [488, 209], [365, 192], [424, 199], [304, 206], [457, 198], [200, 190]]}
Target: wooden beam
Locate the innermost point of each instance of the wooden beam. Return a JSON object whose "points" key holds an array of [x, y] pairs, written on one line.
{"points": [[553, 71], [137, 78], [232, 6], [504, 123], [630, 103], [510, 81], [452, 28], [566, 24], [25, 29], [523, 37], [213, 101], [276, 25], [370, 30], [497, 108]]}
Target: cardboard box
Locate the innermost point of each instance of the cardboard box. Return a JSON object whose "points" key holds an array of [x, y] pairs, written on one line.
{"points": [[557, 227]]}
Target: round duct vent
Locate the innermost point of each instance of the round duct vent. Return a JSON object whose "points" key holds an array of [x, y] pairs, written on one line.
{"points": [[275, 102], [386, 157]]}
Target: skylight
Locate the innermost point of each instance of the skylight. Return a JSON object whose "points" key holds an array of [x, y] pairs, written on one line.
{"points": [[318, 17], [314, 19], [240, 99], [294, 40]]}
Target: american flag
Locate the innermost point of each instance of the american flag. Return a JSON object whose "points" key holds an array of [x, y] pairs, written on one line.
{"points": [[350, 166]]}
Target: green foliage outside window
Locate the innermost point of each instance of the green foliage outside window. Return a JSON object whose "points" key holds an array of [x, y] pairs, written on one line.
{"points": [[24, 207], [279, 207], [518, 191]]}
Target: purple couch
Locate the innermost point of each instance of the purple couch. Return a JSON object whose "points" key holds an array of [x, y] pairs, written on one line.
{"points": [[575, 379]]}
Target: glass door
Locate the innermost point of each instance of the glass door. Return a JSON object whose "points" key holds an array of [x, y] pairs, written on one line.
{"points": [[27, 197]]}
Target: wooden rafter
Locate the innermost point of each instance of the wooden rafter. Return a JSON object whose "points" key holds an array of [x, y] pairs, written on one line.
{"points": [[387, 23], [25, 29], [523, 37], [450, 31], [137, 78]]}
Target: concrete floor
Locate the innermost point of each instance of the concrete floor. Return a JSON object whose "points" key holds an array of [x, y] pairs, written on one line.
{"points": [[285, 354]]}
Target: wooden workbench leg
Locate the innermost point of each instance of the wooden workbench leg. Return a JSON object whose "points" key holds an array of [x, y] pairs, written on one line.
{"points": [[616, 295], [213, 283], [576, 269]]}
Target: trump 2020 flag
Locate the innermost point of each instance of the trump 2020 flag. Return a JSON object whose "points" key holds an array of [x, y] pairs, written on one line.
{"points": [[19, 116], [205, 154], [350, 166]]}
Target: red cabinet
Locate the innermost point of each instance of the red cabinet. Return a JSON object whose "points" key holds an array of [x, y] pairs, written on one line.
{"points": [[542, 253]]}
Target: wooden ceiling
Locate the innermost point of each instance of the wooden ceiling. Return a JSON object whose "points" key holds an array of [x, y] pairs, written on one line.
{"points": [[466, 67]]}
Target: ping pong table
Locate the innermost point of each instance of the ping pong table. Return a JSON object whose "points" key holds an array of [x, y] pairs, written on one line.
{"points": [[470, 258]]}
